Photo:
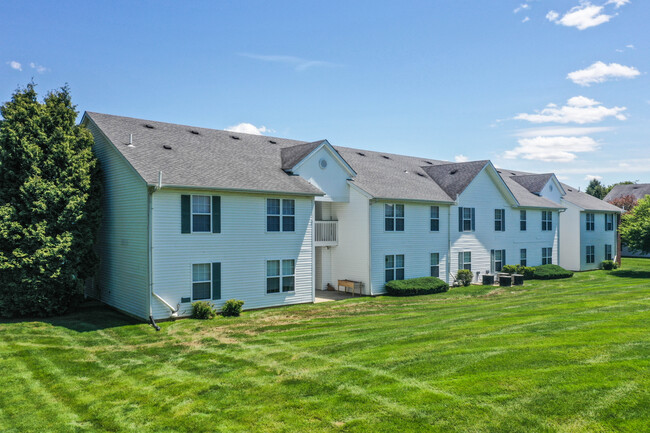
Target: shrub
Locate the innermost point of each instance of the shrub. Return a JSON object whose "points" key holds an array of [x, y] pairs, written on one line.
{"points": [[527, 271], [510, 269], [203, 310], [465, 277], [232, 307], [551, 272], [416, 286], [608, 265]]}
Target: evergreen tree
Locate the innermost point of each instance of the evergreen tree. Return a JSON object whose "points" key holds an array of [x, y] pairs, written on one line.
{"points": [[49, 204], [596, 189], [635, 228]]}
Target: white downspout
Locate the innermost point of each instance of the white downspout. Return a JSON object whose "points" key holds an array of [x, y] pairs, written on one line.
{"points": [[559, 231], [448, 244]]}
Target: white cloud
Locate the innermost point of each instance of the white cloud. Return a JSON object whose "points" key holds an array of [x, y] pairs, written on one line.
{"points": [[39, 68], [525, 20], [248, 128], [581, 17], [578, 109], [566, 131], [630, 46], [552, 149], [299, 64], [640, 165], [461, 158], [522, 7], [600, 72], [15, 65], [591, 177], [618, 3]]}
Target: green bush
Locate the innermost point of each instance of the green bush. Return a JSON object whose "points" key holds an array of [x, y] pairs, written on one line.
{"points": [[416, 286], [464, 277], [203, 310], [527, 271], [551, 272], [608, 265], [232, 307], [510, 269]]}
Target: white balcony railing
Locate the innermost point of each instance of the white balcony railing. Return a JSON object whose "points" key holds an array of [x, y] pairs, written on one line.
{"points": [[326, 233]]}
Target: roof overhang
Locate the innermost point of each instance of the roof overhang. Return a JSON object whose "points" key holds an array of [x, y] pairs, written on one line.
{"points": [[335, 154]]}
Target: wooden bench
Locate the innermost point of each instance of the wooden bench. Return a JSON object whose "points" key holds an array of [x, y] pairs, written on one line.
{"points": [[349, 284]]}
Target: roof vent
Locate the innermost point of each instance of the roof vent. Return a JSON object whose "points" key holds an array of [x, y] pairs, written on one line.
{"points": [[419, 174], [385, 157], [513, 174], [167, 146], [570, 190], [146, 125], [194, 132], [361, 153], [429, 162], [498, 172], [234, 137], [406, 171], [635, 187], [273, 142], [454, 171]]}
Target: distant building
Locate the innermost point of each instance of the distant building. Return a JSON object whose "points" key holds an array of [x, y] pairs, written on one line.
{"points": [[636, 190]]}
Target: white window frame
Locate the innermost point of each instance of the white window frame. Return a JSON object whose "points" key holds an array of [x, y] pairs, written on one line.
{"points": [[467, 219], [499, 218], [465, 264], [192, 213], [434, 214], [523, 221], [547, 256], [281, 215], [609, 222], [501, 261], [281, 276], [547, 220], [590, 222], [394, 218], [209, 265], [394, 268], [436, 265], [523, 257], [608, 252], [590, 254]]}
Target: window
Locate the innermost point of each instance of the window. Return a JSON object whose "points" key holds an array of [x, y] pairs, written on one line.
{"points": [[498, 260], [435, 218], [609, 222], [394, 266], [394, 217], [280, 276], [499, 220], [435, 264], [547, 220], [280, 214], [201, 281], [522, 257], [547, 256], [590, 256], [465, 260], [201, 213], [591, 224], [466, 219], [608, 252], [522, 220]]}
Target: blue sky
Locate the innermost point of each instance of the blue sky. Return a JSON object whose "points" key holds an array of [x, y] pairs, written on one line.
{"points": [[437, 79]]}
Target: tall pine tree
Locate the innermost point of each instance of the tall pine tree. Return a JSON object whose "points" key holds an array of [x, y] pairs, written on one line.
{"points": [[49, 204]]}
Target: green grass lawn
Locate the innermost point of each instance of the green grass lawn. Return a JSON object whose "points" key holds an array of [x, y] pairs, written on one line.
{"points": [[566, 355]]}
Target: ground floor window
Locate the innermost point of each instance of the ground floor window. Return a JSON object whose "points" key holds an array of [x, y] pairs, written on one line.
{"points": [[608, 252], [547, 256], [394, 266], [280, 276], [201, 281], [435, 264], [498, 260], [465, 260], [522, 257], [590, 254]]}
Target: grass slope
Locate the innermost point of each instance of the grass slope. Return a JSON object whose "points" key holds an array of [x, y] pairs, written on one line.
{"points": [[567, 356]]}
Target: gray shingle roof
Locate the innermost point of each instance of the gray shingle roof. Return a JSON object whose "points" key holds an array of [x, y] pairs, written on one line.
{"points": [[453, 178], [586, 201], [292, 155], [533, 182], [638, 191], [206, 158]]}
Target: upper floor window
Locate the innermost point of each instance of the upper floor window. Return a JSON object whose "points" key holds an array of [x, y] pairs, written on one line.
{"points": [[435, 264], [498, 260], [523, 257], [394, 217], [522, 220], [591, 222], [609, 222], [465, 260], [201, 213], [547, 220], [435, 218], [499, 220], [608, 252], [590, 254], [547, 256], [394, 267], [280, 215], [466, 219], [280, 276]]}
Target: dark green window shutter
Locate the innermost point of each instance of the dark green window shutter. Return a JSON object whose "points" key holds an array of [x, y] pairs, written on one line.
{"points": [[503, 258], [185, 214], [473, 219], [216, 281], [460, 219], [491, 261], [216, 214], [503, 224]]}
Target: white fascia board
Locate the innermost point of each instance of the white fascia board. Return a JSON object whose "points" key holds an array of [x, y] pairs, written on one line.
{"points": [[326, 144]]}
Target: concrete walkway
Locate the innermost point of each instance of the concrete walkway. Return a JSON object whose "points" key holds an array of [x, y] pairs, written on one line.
{"points": [[327, 296]]}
